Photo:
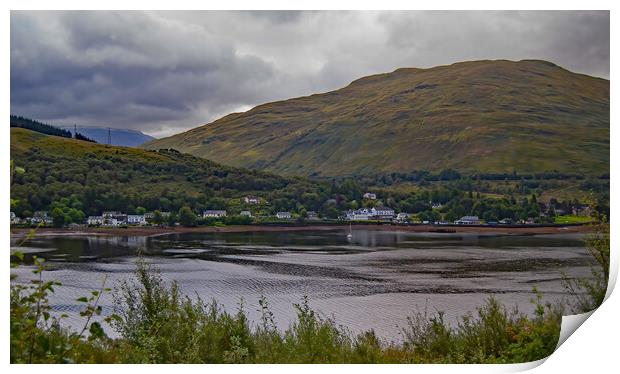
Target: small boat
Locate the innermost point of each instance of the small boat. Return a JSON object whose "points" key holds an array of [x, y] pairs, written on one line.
{"points": [[350, 234]]}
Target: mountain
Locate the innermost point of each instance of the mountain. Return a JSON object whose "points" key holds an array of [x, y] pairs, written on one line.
{"points": [[120, 137], [478, 116], [105, 177]]}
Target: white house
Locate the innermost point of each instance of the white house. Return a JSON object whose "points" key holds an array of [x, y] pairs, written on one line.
{"points": [[365, 214], [312, 215], [41, 216], [136, 219], [283, 215], [245, 213], [251, 200], [370, 196], [402, 217], [214, 213], [468, 220], [95, 220], [14, 218], [114, 218]]}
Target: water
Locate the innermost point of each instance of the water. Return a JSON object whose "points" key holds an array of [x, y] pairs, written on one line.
{"points": [[375, 280]]}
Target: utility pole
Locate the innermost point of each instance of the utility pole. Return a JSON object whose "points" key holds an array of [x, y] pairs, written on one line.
{"points": [[75, 130], [109, 137]]}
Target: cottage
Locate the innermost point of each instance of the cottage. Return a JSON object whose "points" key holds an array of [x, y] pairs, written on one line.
{"points": [[401, 217], [468, 220], [15, 219], [136, 219], [251, 200], [214, 213], [365, 214], [114, 218], [95, 220], [41, 216], [245, 213], [283, 215], [312, 215], [370, 196]]}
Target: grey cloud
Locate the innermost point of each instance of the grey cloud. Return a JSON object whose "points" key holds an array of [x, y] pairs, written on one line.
{"points": [[165, 72]]}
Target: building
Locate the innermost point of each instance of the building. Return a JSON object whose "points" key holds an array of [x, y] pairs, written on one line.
{"points": [[251, 200], [15, 219], [283, 215], [312, 215], [402, 217], [468, 220], [214, 213], [245, 213], [114, 218], [41, 216], [366, 214], [370, 196], [136, 219], [95, 220], [436, 205]]}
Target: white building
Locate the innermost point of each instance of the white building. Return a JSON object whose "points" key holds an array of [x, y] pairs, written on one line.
{"points": [[41, 216], [251, 200], [95, 220], [312, 215], [370, 196], [468, 220], [114, 218], [402, 217], [245, 213], [214, 213], [14, 218], [283, 215], [366, 214], [136, 219]]}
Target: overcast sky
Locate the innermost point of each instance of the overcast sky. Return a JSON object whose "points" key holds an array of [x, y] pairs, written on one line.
{"points": [[166, 72]]}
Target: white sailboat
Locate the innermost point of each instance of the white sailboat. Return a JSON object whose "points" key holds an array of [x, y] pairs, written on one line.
{"points": [[350, 234]]}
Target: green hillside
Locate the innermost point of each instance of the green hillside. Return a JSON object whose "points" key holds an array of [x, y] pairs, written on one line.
{"points": [[120, 178], [480, 116]]}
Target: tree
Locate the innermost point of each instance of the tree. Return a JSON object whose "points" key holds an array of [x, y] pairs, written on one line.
{"points": [[58, 217], [140, 210], [187, 216], [172, 219], [158, 218]]}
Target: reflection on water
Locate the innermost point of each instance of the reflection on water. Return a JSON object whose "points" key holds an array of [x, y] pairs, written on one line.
{"points": [[375, 280]]}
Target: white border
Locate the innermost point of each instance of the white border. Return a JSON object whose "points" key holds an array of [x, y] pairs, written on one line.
{"points": [[592, 347]]}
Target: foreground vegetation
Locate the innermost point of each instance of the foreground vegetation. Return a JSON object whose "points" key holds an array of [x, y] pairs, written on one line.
{"points": [[157, 324]]}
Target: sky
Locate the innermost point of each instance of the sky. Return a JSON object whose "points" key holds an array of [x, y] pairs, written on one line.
{"points": [[166, 72]]}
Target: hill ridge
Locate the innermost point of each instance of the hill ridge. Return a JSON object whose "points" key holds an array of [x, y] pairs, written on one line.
{"points": [[489, 116]]}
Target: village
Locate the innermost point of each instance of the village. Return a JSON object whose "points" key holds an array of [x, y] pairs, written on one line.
{"points": [[378, 213]]}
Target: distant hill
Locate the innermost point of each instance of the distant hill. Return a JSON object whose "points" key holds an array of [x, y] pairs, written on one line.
{"points": [[105, 177], [478, 116], [30, 124], [120, 137]]}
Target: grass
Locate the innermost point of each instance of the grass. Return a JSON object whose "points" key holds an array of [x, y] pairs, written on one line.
{"points": [[573, 219]]}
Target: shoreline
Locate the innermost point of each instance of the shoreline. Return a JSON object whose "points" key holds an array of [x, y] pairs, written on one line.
{"points": [[151, 231]]}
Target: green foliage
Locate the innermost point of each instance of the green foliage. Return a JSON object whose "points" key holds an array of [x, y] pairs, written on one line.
{"points": [[119, 178], [187, 217], [590, 293], [27, 123]]}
